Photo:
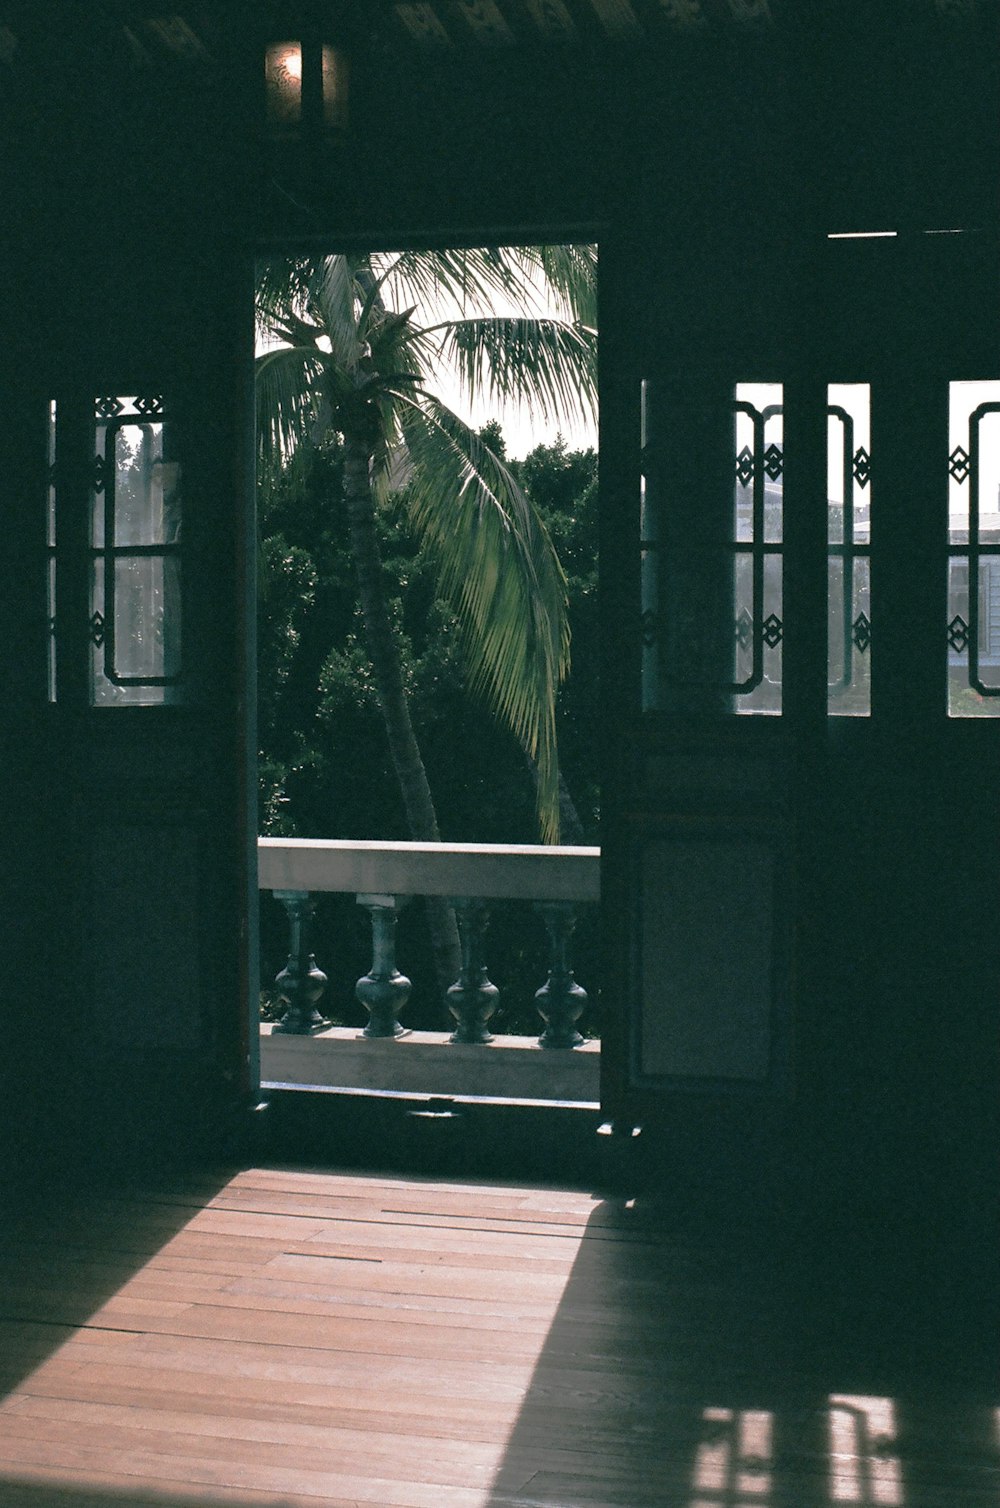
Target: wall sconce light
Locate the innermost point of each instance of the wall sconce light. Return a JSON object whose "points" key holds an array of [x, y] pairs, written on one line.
{"points": [[306, 86]]}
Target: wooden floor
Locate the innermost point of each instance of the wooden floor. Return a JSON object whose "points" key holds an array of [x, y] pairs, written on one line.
{"points": [[275, 1337]]}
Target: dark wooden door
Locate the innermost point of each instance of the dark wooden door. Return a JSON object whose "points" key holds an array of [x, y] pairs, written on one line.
{"points": [[801, 847], [132, 448]]}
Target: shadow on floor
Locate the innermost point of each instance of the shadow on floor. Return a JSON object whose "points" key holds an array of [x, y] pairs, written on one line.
{"points": [[27, 1494], [66, 1248], [716, 1352], [432, 1135]]}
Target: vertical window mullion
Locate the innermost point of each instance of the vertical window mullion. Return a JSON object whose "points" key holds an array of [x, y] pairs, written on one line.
{"points": [[108, 560], [711, 546], [806, 567], [909, 418], [74, 463], [849, 600]]}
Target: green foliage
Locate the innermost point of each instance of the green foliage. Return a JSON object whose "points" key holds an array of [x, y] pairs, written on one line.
{"points": [[324, 764], [352, 344], [563, 486]]}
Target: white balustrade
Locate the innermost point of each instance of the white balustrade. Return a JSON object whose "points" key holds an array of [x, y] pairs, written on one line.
{"points": [[382, 875]]}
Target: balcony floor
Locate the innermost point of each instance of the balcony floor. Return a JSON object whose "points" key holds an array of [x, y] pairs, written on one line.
{"points": [[276, 1338]]}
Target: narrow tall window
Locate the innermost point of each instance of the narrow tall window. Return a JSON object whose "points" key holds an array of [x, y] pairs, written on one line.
{"points": [[849, 625], [711, 540], [974, 550], [135, 602], [758, 523]]}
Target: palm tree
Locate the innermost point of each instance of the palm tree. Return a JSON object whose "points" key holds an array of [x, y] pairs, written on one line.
{"points": [[350, 347]]}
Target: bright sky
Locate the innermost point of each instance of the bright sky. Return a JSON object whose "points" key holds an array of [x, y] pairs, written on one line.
{"points": [[522, 429]]}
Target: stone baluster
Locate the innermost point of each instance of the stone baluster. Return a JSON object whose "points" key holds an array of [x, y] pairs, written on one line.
{"points": [[383, 991], [300, 983], [472, 999], [560, 1000]]}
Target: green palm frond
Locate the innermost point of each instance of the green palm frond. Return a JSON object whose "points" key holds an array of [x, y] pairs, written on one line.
{"points": [[571, 272], [548, 364], [388, 338], [497, 566], [287, 396], [472, 279], [463, 277], [282, 289], [334, 294]]}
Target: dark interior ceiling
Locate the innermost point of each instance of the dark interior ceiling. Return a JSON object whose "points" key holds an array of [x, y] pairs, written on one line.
{"points": [[148, 33], [884, 111]]}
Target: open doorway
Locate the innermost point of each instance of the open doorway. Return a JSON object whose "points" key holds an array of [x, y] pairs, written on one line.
{"points": [[427, 638]]}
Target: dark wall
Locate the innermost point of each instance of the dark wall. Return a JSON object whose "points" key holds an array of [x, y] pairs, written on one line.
{"points": [[133, 203]]}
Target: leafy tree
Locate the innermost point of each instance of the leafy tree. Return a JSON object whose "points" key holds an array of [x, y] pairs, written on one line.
{"points": [[353, 357], [562, 485], [322, 765]]}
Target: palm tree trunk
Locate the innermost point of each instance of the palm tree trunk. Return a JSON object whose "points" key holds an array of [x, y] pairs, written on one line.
{"points": [[383, 651]]}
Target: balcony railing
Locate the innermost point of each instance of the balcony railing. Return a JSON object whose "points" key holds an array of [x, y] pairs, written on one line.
{"points": [[560, 883]]}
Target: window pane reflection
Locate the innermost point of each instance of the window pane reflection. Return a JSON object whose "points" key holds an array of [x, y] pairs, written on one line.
{"points": [[758, 507], [973, 627], [135, 622], [849, 620]]}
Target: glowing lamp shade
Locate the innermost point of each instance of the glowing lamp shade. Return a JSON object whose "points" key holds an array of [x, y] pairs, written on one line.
{"points": [[288, 67]]}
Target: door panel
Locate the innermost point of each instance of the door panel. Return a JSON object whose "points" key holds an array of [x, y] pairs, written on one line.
{"points": [[857, 792], [138, 801], [708, 946]]}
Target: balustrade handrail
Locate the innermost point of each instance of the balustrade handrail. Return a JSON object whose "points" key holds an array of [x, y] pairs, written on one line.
{"points": [[383, 875], [497, 871]]}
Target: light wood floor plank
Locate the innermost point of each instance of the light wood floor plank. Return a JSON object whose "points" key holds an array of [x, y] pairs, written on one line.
{"points": [[288, 1337]]}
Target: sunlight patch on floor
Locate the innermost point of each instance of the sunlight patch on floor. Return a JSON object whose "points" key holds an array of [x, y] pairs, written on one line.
{"points": [[734, 1456], [734, 1465], [864, 1463], [189, 1394]]}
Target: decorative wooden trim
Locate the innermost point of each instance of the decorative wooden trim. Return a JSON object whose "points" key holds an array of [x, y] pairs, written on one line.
{"points": [[486, 21], [617, 19], [423, 24]]}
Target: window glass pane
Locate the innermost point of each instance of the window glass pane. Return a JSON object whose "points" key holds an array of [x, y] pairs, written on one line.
{"points": [[51, 612], [965, 699], [103, 691], [849, 642], [965, 437], [146, 487], [51, 459], [766, 695], [99, 491], [849, 625], [974, 550], [146, 637], [758, 508], [135, 536], [141, 644], [765, 398]]}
